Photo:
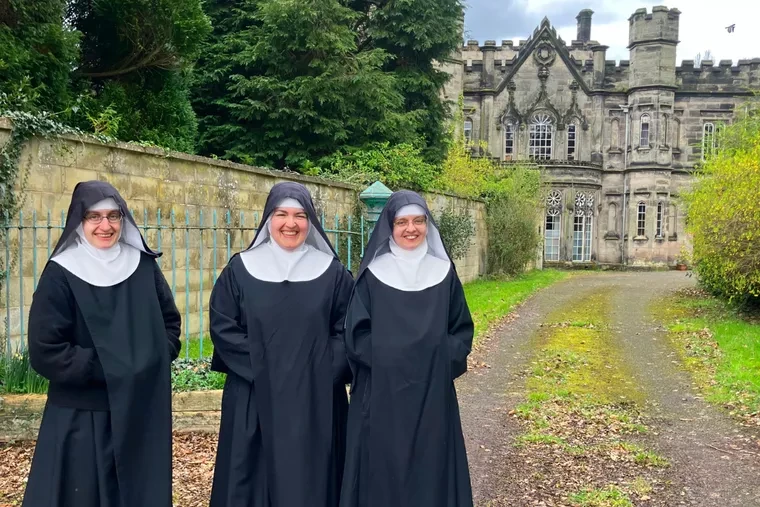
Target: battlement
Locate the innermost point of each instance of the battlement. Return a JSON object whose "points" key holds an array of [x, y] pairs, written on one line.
{"points": [[724, 66], [661, 25], [726, 75]]}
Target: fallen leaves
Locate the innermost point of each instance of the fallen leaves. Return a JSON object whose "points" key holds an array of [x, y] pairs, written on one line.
{"points": [[193, 469]]}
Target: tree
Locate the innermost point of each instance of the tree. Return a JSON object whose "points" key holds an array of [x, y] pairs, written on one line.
{"points": [[281, 82], [136, 55], [417, 33], [37, 53], [724, 213]]}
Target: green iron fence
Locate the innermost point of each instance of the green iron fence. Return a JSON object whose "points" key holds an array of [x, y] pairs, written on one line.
{"points": [[196, 246]]}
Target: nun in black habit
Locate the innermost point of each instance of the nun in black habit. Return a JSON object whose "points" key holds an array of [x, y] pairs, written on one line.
{"points": [[103, 328], [408, 335], [277, 313]]}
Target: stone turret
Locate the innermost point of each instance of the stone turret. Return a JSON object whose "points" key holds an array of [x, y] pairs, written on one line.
{"points": [[652, 40]]}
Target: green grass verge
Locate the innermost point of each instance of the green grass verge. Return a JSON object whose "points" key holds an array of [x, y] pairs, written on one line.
{"points": [[720, 346], [491, 300]]}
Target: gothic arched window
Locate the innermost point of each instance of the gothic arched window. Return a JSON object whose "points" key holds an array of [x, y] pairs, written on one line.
{"points": [[644, 133], [641, 219], [509, 141], [660, 212], [572, 140], [710, 139], [541, 131], [552, 225]]}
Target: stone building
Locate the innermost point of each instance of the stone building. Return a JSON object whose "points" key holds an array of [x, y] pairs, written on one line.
{"points": [[618, 141]]}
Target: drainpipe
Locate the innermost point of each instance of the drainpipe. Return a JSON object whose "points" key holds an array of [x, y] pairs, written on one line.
{"points": [[623, 242]]}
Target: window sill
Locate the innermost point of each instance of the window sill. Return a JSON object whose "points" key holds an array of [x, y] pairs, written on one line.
{"points": [[673, 237], [642, 239], [611, 235], [659, 239]]}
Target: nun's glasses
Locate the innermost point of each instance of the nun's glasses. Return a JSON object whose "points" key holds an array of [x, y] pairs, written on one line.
{"points": [[404, 222], [96, 218]]}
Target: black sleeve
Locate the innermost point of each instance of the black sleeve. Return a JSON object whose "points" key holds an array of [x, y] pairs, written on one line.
{"points": [[358, 328], [461, 329], [341, 294], [228, 333], [172, 317], [52, 350]]}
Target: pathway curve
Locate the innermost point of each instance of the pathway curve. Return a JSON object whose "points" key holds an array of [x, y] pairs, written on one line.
{"points": [[714, 461]]}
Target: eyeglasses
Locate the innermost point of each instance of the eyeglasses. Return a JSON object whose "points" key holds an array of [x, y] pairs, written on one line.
{"points": [[96, 218], [404, 222]]}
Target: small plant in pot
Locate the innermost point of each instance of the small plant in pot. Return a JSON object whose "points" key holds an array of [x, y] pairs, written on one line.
{"points": [[682, 260]]}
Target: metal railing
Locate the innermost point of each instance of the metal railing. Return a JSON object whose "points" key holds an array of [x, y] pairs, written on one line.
{"points": [[196, 247]]}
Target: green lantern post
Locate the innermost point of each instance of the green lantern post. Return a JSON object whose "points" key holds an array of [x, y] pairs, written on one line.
{"points": [[374, 197]]}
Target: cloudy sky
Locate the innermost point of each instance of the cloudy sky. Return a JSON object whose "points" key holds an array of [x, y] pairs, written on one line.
{"points": [[702, 26]]}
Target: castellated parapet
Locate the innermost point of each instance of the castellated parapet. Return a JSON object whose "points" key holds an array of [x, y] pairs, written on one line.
{"points": [[725, 76], [659, 26]]}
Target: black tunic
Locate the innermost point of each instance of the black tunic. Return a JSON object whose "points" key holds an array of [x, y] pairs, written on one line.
{"points": [[282, 435], [405, 446], [105, 436]]}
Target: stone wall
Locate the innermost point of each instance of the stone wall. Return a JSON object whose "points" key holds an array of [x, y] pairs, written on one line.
{"points": [[195, 190]]}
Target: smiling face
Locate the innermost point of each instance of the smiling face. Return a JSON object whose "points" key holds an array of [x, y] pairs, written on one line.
{"points": [[289, 227], [409, 231], [102, 227]]}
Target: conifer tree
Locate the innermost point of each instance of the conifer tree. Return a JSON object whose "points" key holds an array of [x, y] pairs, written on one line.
{"points": [[281, 82]]}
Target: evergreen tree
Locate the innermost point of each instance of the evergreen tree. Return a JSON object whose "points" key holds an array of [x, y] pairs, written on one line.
{"points": [[282, 82], [37, 54], [136, 57], [417, 33]]}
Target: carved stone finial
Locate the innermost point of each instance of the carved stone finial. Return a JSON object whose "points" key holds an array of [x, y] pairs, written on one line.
{"points": [[543, 73]]}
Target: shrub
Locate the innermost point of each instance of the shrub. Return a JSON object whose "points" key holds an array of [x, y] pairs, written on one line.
{"points": [[724, 213], [456, 232], [397, 166]]}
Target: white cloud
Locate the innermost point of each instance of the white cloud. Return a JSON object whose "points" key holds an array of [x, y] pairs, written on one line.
{"points": [[702, 26]]}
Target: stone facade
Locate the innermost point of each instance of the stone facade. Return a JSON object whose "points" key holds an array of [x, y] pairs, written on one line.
{"points": [[618, 141], [151, 180]]}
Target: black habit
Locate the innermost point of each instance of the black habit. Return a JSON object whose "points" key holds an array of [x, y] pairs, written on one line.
{"points": [[405, 446], [105, 438], [282, 434]]}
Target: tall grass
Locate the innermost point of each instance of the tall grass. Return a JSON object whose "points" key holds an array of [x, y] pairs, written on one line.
{"points": [[18, 377]]}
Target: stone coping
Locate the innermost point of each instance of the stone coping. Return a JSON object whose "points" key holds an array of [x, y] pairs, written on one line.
{"points": [[7, 124]]}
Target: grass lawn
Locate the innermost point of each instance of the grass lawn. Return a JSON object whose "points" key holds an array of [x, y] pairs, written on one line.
{"points": [[720, 346], [491, 300]]}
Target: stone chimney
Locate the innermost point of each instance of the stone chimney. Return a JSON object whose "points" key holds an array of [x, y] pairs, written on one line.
{"points": [[584, 25], [600, 53]]}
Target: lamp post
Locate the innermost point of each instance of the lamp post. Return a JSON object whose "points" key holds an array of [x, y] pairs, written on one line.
{"points": [[374, 197]]}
